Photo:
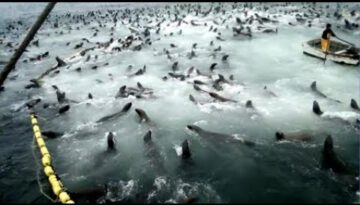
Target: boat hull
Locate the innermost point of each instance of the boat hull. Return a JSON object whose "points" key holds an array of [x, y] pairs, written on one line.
{"points": [[338, 58]]}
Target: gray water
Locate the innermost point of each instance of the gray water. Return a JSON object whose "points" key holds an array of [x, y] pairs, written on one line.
{"points": [[270, 172]]}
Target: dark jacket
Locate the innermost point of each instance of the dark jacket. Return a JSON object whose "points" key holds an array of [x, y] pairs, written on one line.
{"points": [[326, 32]]}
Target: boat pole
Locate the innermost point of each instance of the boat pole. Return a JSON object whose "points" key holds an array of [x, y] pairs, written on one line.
{"points": [[344, 41], [29, 37]]}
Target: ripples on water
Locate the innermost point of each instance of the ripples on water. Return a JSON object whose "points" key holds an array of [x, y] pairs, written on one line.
{"points": [[270, 172]]}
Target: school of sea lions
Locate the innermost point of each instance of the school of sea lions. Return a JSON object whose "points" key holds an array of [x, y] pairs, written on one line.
{"points": [[149, 25]]}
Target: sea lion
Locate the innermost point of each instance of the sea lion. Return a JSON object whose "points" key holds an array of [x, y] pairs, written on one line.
{"points": [[64, 109], [317, 92], [152, 152], [198, 72], [225, 57], [122, 112], [194, 45], [217, 49], [219, 38], [212, 67], [314, 88], [61, 98], [122, 92], [147, 136], [51, 134], [60, 62], [110, 142], [140, 86], [217, 137], [142, 115], [330, 160], [177, 76], [79, 45], [139, 72], [222, 79], [185, 150], [217, 86], [197, 88], [191, 54], [269, 92], [199, 82], [32, 103], [249, 104], [189, 71], [220, 98], [34, 84], [316, 108], [354, 105], [192, 99], [297, 136]]}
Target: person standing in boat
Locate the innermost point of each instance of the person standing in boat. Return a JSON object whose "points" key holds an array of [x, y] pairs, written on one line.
{"points": [[325, 38]]}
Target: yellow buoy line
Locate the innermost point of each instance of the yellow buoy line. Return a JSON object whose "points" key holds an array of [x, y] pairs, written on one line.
{"points": [[38, 173], [56, 185]]}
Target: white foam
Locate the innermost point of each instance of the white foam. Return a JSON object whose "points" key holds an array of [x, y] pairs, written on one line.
{"points": [[160, 181], [201, 122], [237, 137], [128, 188], [345, 115], [170, 201], [214, 106], [178, 150]]}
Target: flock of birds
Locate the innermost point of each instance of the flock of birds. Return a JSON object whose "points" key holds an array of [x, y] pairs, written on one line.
{"points": [[146, 26]]}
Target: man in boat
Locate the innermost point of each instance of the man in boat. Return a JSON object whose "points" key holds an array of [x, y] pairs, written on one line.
{"points": [[325, 38]]}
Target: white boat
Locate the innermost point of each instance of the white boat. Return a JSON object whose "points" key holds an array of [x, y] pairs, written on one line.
{"points": [[338, 52]]}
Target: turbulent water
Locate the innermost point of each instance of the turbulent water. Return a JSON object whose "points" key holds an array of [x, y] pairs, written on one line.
{"points": [[216, 173]]}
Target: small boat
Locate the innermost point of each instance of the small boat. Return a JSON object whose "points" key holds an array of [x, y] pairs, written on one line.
{"points": [[338, 52]]}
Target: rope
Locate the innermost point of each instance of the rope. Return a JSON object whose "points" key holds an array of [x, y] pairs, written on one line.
{"points": [[38, 175], [55, 183]]}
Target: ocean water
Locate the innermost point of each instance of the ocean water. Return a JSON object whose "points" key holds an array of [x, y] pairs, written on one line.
{"points": [[216, 173]]}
